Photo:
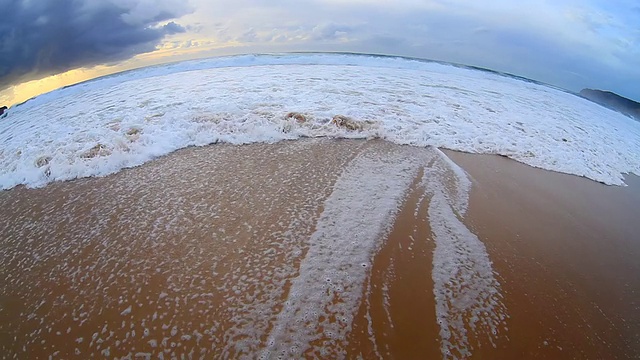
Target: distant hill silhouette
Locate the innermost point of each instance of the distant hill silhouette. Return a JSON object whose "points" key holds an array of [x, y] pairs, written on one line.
{"points": [[613, 101]]}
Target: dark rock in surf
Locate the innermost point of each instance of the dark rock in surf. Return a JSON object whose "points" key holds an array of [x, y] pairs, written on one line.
{"points": [[296, 116], [347, 123]]}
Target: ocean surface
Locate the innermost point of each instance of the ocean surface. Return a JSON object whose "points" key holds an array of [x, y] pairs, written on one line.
{"points": [[101, 126]]}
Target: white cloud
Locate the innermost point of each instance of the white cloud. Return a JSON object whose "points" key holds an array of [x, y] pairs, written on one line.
{"points": [[566, 43]]}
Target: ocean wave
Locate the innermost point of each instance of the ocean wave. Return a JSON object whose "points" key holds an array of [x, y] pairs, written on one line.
{"points": [[102, 126]]}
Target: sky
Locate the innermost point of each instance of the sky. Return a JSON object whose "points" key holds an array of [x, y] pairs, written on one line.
{"points": [[46, 44]]}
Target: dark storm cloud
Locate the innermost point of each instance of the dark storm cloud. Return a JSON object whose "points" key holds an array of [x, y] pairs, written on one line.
{"points": [[43, 37]]}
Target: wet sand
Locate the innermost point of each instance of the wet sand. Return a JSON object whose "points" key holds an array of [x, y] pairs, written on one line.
{"points": [[196, 255], [566, 249]]}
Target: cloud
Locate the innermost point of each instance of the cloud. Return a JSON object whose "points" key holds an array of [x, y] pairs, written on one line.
{"points": [[331, 31], [559, 42], [39, 38], [173, 28], [248, 36]]}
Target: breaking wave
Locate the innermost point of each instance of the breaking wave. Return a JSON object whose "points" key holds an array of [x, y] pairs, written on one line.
{"points": [[102, 126]]}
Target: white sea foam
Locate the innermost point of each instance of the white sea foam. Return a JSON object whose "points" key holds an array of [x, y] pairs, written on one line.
{"points": [[326, 294], [469, 306], [467, 295], [324, 298], [124, 120]]}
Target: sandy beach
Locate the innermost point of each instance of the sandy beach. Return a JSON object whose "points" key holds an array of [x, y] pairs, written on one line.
{"points": [[566, 251], [322, 248]]}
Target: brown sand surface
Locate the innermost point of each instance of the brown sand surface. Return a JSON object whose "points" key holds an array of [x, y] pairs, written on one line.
{"points": [[567, 252], [193, 256], [179, 254]]}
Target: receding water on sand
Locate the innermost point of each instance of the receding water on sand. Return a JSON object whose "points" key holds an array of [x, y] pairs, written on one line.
{"points": [[309, 248]]}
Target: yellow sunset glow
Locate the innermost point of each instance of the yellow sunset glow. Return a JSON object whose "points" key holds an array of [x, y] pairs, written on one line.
{"points": [[166, 52]]}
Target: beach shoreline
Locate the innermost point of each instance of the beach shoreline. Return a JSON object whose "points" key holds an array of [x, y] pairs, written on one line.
{"points": [[196, 251]]}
